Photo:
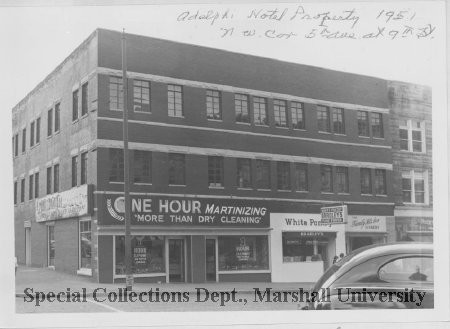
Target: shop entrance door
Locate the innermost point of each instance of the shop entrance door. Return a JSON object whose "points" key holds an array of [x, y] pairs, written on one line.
{"points": [[28, 246], [176, 260], [210, 260]]}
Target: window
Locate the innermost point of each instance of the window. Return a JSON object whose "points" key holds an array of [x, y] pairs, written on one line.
{"points": [[32, 134], [38, 130], [363, 124], [175, 100], [260, 111], [323, 119], [84, 163], [407, 269], [51, 245], [57, 117], [298, 115], [74, 171], [148, 254], [283, 176], [342, 179], [326, 176], [49, 122], [244, 173], [75, 105], [241, 108], [85, 244], [84, 99], [56, 178], [213, 110], [304, 246], [24, 139], [142, 161], [279, 109], [22, 190], [412, 136], [115, 93], [141, 96], [377, 125], [16, 145], [301, 177], [36, 185], [338, 121], [215, 171], [415, 187], [240, 253], [30, 187], [380, 181], [49, 180], [177, 171], [366, 181], [15, 192], [263, 181], [116, 165]]}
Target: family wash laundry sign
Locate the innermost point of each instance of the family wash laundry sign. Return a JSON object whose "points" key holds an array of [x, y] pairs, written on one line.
{"points": [[163, 210]]}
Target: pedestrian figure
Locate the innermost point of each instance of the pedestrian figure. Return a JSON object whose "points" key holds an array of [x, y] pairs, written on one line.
{"points": [[335, 259], [341, 255]]}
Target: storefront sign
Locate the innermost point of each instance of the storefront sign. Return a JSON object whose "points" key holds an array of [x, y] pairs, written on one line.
{"points": [[366, 224], [243, 251], [162, 210], [334, 215], [415, 224], [67, 204]]}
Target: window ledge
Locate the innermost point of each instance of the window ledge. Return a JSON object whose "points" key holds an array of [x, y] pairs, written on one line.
{"points": [[144, 112], [178, 185], [282, 127], [415, 204], [215, 120], [264, 189], [379, 138], [76, 120], [324, 132], [412, 152], [84, 271], [260, 125], [142, 184], [299, 129], [176, 116], [49, 136], [327, 192], [301, 191], [245, 188], [343, 193], [340, 134], [217, 187], [115, 110], [52, 267], [116, 182], [283, 190], [366, 194], [368, 137], [84, 116], [381, 195], [57, 132], [243, 123]]}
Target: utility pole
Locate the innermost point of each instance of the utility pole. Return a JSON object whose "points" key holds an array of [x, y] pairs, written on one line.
{"points": [[126, 168]]}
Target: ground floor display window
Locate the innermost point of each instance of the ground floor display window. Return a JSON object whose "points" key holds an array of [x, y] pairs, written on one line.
{"points": [[51, 245], [243, 253], [147, 254], [304, 246], [85, 244]]}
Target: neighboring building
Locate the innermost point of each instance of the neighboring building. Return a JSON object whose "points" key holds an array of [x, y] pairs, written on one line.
{"points": [[411, 130], [232, 157]]}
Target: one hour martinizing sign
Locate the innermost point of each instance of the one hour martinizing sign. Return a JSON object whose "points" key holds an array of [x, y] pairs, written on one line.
{"points": [[162, 210]]}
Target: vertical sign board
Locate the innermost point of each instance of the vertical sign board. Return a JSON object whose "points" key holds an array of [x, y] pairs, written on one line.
{"points": [[334, 215]]}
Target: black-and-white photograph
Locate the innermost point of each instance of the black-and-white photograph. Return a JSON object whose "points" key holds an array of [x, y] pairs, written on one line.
{"points": [[227, 158]]}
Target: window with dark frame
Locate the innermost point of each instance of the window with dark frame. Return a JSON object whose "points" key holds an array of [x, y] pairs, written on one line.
{"points": [[175, 100], [263, 181], [49, 122], [341, 179], [16, 145], [377, 125], [298, 115], [141, 96], [301, 177], [49, 180], [74, 170], [177, 169], [84, 99], [116, 165], [338, 121], [57, 117], [75, 105], [36, 185], [323, 119], [38, 130], [283, 176], [244, 173], [260, 111], [85, 243], [32, 134], [363, 124], [280, 115], [215, 171], [380, 181], [366, 180], [213, 108], [24, 140], [326, 177], [84, 168], [115, 93], [142, 166], [15, 192], [22, 190], [30, 187], [56, 178], [241, 108]]}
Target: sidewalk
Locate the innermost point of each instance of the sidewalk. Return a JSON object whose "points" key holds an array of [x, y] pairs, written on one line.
{"points": [[46, 280]]}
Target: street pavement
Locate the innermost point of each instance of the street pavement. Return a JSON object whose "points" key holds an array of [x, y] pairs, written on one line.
{"points": [[36, 284]]}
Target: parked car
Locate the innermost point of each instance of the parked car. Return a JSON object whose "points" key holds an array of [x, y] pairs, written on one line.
{"points": [[396, 275]]}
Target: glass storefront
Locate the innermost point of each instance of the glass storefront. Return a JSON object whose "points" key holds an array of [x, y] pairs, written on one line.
{"points": [[304, 246], [85, 244], [243, 253]]}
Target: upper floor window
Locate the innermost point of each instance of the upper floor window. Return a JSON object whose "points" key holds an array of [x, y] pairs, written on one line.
{"points": [[116, 165], [57, 117], [215, 171], [141, 96], [241, 108], [177, 169], [84, 168], [74, 170], [36, 185], [75, 105], [326, 177], [49, 122], [338, 121], [213, 110], [49, 180], [377, 124], [175, 100], [279, 110], [301, 177], [298, 115], [380, 181], [142, 162], [15, 192], [38, 130], [342, 179], [30, 187], [84, 99], [244, 173], [22, 190], [16, 145], [24, 139], [260, 111], [412, 135], [366, 180], [415, 186], [56, 178], [363, 124], [115, 93], [263, 180], [283, 176], [32, 134], [323, 119]]}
